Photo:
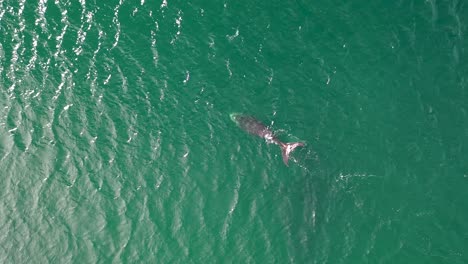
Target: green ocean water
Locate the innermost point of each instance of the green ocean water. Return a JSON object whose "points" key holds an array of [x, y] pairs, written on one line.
{"points": [[116, 144]]}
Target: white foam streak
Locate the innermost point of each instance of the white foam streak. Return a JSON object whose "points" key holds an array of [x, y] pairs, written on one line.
{"points": [[59, 38], [153, 44], [106, 81], [86, 18], [232, 208], [232, 37], [123, 78], [21, 7], [33, 59], [228, 64], [14, 58], [187, 77], [64, 75], [178, 22], [41, 10], [2, 10], [117, 24], [92, 72]]}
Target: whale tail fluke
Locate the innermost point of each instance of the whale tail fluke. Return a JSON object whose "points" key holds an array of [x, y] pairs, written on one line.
{"points": [[287, 148]]}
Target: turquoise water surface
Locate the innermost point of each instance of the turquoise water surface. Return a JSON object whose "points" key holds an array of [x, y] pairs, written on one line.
{"points": [[116, 144]]}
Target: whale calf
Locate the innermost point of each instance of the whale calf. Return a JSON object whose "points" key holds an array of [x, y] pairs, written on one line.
{"points": [[255, 127]]}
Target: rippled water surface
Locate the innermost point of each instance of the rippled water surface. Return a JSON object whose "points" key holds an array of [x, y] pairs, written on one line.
{"points": [[116, 144]]}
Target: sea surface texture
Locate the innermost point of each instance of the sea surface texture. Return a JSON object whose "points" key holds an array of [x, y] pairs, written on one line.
{"points": [[116, 143]]}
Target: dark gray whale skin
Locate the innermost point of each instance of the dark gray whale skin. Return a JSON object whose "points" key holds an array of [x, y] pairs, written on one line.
{"points": [[255, 127]]}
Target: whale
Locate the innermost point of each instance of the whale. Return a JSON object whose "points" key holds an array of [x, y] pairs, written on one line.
{"points": [[253, 126]]}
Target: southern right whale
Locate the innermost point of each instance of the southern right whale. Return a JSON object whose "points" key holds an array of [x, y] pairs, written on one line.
{"points": [[255, 127]]}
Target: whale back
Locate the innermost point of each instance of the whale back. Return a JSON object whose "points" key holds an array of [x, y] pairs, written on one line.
{"points": [[253, 126]]}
